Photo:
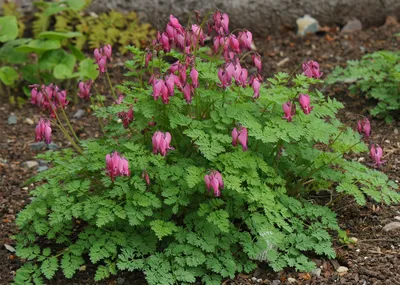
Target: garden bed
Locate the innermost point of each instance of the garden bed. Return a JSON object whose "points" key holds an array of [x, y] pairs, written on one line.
{"points": [[373, 259]]}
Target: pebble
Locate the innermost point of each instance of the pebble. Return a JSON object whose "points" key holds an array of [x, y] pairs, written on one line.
{"points": [[276, 282], [352, 26], [12, 119], [283, 61], [30, 164], [120, 281], [52, 146], [25, 188], [79, 114], [342, 269], [392, 226], [29, 121], [253, 279], [42, 168], [306, 25], [396, 131], [9, 248], [397, 218], [37, 146], [259, 280], [354, 239], [291, 280], [316, 272]]}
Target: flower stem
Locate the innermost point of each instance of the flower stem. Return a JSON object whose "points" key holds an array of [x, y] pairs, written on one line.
{"points": [[111, 87], [69, 125], [101, 125]]}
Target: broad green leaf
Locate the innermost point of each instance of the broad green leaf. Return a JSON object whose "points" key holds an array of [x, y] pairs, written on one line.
{"points": [[88, 69], [39, 46], [76, 5], [9, 54], [58, 35], [30, 73], [8, 75], [8, 28], [61, 71]]}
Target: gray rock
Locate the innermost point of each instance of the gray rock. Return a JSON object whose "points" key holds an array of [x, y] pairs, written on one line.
{"points": [[42, 168], [291, 280], [52, 146], [37, 146], [307, 25], [42, 162], [79, 114], [29, 121], [316, 272], [120, 281], [12, 119], [392, 226], [276, 282], [353, 25], [30, 164]]}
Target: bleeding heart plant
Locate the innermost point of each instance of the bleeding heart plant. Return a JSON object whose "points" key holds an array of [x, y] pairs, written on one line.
{"points": [[185, 203]]}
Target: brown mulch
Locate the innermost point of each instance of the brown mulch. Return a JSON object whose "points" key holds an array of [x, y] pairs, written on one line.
{"points": [[373, 259]]}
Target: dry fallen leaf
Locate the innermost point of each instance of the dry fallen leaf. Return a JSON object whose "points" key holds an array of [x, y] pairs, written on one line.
{"points": [[304, 276]]}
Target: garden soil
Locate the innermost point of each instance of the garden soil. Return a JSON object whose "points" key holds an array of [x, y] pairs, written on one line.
{"points": [[373, 258]]}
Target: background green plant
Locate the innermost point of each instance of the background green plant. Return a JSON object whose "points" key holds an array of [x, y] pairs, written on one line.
{"points": [[55, 53], [377, 76], [173, 230]]}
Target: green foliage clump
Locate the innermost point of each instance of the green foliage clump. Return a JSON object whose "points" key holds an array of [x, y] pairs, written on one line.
{"points": [[377, 76], [172, 228], [113, 28]]}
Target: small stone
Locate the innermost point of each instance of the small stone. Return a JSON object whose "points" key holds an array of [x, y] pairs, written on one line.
{"points": [[79, 114], [37, 146], [52, 146], [42, 162], [397, 218], [291, 280], [352, 26], [30, 164], [361, 159], [42, 168], [253, 279], [316, 272], [276, 282], [29, 121], [363, 49], [25, 188], [9, 248], [392, 226], [342, 270], [283, 61], [120, 281], [259, 280], [12, 119], [354, 239], [306, 25], [396, 131]]}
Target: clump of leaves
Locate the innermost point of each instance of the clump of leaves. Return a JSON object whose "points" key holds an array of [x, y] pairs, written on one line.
{"points": [[377, 76], [157, 216], [113, 28]]}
